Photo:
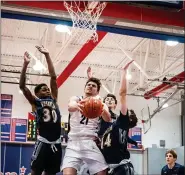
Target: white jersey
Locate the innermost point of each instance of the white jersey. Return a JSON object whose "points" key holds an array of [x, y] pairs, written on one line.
{"points": [[81, 127]]}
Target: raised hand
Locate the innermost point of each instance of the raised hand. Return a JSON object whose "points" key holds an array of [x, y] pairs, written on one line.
{"points": [[27, 57], [42, 49], [127, 65], [89, 73]]}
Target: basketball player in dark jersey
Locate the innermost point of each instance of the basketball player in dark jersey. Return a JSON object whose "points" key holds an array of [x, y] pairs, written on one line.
{"points": [[114, 140], [47, 153], [111, 101]]}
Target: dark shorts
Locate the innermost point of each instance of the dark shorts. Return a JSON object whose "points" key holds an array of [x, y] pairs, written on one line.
{"points": [[45, 159], [126, 169]]}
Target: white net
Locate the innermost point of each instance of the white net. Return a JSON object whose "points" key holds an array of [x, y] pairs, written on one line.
{"points": [[85, 16], [146, 119]]}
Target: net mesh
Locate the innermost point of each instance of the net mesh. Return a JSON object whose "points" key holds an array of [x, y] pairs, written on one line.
{"points": [[85, 16], [146, 119]]}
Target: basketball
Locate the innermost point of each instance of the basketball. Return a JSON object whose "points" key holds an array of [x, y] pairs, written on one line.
{"points": [[93, 108]]}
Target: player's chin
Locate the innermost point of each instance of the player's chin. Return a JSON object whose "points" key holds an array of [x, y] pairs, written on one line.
{"points": [[109, 106], [47, 95], [89, 93]]}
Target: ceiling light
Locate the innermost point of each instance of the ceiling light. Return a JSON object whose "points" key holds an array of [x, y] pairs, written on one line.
{"points": [[20, 92], [128, 76], [165, 105], [62, 29], [172, 43], [38, 66]]}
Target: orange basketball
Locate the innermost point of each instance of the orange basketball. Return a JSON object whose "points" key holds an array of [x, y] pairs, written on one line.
{"points": [[92, 108]]}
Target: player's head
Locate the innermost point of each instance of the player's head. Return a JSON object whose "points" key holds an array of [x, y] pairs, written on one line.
{"points": [[132, 118], [111, 101], [42, 91], [92, 87], [171, 156]]}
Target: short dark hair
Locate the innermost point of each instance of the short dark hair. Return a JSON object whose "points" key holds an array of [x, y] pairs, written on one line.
{"points": [[38, 87], [95, 80], [171, 151], [110, 95], [133, 119]]}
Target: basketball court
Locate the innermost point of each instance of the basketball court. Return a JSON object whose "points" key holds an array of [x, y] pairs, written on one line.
{"points": [[105, 38]]}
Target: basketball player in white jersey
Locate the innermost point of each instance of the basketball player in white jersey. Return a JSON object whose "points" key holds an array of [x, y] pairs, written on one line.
{"points": [[81, 147]]}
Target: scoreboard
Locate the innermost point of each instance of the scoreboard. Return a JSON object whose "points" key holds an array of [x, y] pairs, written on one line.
{"points": [[32, 132]]}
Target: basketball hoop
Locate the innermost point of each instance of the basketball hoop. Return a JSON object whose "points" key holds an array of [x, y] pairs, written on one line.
{"points": [[85, 15], [146, 119]]}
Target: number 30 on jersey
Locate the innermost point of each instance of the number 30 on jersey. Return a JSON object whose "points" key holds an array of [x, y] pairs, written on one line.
{"points": [[49, 114]]}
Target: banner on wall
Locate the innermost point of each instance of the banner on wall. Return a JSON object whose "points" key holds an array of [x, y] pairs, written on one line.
{"points": [[6, 105], [15, 159], [18, 130], [136, 135], [5, 128]]}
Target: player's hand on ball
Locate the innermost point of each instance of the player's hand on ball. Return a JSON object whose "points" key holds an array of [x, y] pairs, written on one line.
{"points": [[80, 106], [105, 108]]}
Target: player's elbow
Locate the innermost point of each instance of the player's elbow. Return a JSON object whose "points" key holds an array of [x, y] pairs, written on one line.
{"points": [[72, 106], [22, 87]]}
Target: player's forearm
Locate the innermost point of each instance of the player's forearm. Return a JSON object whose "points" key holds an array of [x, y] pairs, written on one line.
{"points": [[22, 81], [72, 106], [106, 114], [50, 66], [123, 84], [132, 141]]}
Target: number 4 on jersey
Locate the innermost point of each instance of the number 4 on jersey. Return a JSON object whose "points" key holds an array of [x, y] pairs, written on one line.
{"points": [[107, 142]]}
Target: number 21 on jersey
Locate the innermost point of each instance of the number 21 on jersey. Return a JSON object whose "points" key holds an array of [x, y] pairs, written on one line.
{"points": [[84, 120]]}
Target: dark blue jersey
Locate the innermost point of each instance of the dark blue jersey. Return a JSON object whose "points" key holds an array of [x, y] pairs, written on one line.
{"points": [[48, 118], [105, 125], [176, 170], [114, 141]]}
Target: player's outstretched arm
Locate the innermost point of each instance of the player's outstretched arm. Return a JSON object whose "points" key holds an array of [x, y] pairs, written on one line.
{"points": [[106, 114], [123, 90], [22, 84], [53, 82]]}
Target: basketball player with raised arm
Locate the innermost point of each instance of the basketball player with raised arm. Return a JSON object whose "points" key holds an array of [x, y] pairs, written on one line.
{"points": [[111, 102], [81, 147], [47, 153], [114, 139]]}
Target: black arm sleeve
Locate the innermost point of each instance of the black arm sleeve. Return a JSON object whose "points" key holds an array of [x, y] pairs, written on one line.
{"points": [[123, 121]]}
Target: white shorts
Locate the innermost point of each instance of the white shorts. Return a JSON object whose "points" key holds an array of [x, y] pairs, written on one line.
{"points": [[84, 151]]}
